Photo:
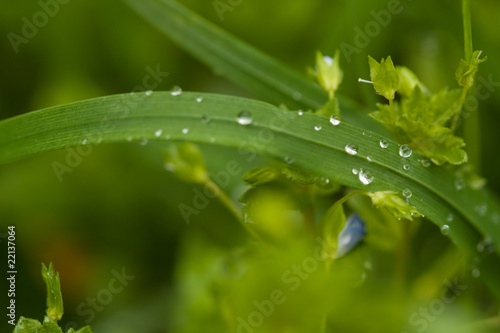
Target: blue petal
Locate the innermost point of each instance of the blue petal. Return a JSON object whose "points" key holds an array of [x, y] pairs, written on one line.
{"points": [[351, 235]]}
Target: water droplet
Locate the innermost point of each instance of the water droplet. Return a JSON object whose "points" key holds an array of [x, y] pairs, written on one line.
{"points": [[369, 158], [300, 113], [406, 166], [449, 218], [130, 138], [143, 142], [149, 92], [85, 141], [199, 99], [481, 209], [487, 245], [365, 176], [384, 144], [405, 151], [407, 193], [244, 118], [328, 60], [355, 171], [99, 140], [425, 163], [445, 229], [324, 181], [289, 159], [185, 130], [351, 149], [205, 119], [476, 273], [176, 91], [297, 96], [317, 128], [158, 133], [167, 137], [335, 120], [459, 184]]}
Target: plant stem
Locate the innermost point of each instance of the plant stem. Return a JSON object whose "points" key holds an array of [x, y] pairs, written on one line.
{"points": [[467, 29], [471, 129], [229, 204]]}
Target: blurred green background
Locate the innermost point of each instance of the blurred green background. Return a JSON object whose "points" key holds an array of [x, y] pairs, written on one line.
{"points": [[119, 207]]}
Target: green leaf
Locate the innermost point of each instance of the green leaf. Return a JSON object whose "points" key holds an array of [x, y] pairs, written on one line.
{"points": [[54, 298], [332, 223], [467, 70], [49, 326], [419, 121], [407, 81], [286, 134], [186, 162], [261, 175], [384, 76], [26, 325], [328, 72], [298, 176], [394, 204]]}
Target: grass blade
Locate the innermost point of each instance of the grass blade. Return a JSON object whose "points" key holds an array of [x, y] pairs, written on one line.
{"points": [[242, 63], [273, 132]]}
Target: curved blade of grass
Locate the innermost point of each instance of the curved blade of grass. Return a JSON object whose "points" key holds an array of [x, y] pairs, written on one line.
{"points": [[242, 63], [275, 133]]}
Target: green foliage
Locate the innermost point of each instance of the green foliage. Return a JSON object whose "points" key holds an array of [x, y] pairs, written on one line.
{"points": [[420, 119], [54, 297], [296, 208], [384, 76], [186, 161], [394, 204], [54, 311], [467, 70]]}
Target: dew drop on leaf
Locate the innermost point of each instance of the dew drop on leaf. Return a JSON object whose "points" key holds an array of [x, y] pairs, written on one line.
{"points": [[384, 143], [317, 128], [449, 218], [445, 229], [369, 158], [406, 166], [407, 193], [405, 151], [158, 133], [185, 130], [351, 149], [355, 171], [300, 113], [481, 209], [288, 159], [425, 163], [335, 120], [149, 92], [199, 99], [244, 118], [85, 141], [143, 142], [365, 176], [167, 137], [176, 91], [459, 184]]}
